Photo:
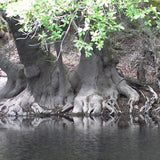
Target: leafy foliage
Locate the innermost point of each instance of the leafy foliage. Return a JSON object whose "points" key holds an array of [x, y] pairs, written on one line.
{"points": [[52, 19]]}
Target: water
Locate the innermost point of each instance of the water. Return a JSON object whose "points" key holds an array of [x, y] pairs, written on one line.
{"points": [[77, 139]]}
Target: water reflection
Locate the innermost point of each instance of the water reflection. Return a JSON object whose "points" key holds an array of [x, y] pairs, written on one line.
{"points": [[81, 138]]}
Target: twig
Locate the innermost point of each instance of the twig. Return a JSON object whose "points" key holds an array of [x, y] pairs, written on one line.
{"points": [[61, 45], [35, 32], [3, 75], [75, 26]]}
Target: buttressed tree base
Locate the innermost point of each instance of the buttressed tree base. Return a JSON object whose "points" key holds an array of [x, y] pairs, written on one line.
{"points": [[41, 83]]}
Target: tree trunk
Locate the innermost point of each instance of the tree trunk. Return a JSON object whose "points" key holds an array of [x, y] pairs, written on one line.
{"points": [[16, 81], [94, 85], [99, 84], [47, 86]]}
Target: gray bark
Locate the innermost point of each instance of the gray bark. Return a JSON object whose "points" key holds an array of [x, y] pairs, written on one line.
{"points": [[16, 79], [48, 88], [94, 85], [99, 84]]}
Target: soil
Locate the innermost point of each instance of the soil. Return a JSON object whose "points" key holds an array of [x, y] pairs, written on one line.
{"points": [[131, 51]]}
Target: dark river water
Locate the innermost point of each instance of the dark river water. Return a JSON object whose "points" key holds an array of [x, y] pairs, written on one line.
{"points": [[78, 139]]}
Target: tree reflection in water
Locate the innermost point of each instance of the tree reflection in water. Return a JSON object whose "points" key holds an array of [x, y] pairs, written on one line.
{"points": [[125, 137], [121, 121]]}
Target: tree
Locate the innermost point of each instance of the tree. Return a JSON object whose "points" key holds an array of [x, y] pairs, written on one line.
{"points": [[41, 83]]}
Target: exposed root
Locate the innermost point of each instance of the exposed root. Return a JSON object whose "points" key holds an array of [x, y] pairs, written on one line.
{"points": [[87, 101], [23, 104], [91, 102], [13, 106], [149, 101], [132, 94], [111, 105], [67, 108], [110, 100]]}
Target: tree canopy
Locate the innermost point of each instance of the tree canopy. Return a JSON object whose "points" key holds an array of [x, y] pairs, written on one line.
{"points": [[52, 19]]}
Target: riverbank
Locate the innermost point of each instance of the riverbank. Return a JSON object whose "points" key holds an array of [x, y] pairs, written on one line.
{"points": [[130, 52]]}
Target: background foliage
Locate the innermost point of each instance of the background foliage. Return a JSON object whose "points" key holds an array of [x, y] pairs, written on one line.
{"points": [[51, 20]]}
